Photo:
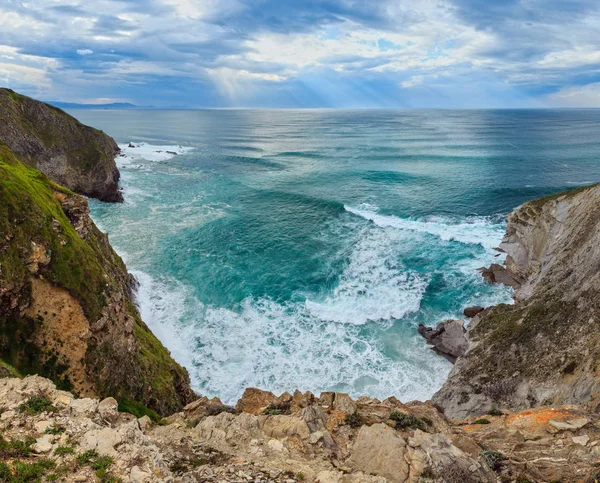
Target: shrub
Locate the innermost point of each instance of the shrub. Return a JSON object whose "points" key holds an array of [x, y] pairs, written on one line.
{"points": [[20, 472], [273, 412], [100, 464], [36, 405], [55, 429], [15, 448], [64, 450], [493, 459], [407, 421], [482, 421], [495, 412], [354, 420], [87, 457], [218, 409]]}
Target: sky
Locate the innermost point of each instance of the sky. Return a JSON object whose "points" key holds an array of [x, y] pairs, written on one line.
{"points": [[304, 53]]}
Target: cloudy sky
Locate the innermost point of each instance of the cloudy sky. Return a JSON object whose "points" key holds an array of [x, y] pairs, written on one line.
{"points": [[304, 53]]}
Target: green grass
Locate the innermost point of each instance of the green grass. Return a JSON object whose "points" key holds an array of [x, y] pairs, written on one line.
{"points": [[64, 450], [13, 371], [30, 212], [15, 448], [36, 405], [482, 421], [21, 472], [55, 429], [100, 464], [138, 409]]}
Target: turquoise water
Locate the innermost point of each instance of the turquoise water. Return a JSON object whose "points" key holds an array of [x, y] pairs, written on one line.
{"points": [[300, 249]]}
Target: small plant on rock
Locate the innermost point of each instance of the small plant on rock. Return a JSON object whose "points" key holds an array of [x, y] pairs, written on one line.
{"points": [[15, 448], [354, 420], [495, 412], [64, 450], [273, 412], [493, 459], [407, 421], [36, 405], [55, 429], [482, 421]]}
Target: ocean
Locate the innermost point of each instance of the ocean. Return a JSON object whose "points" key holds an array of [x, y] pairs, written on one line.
{"points": [[300, 249]]}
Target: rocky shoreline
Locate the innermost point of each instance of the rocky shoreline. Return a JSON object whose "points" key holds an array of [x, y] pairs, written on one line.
{"points": [[291, 438], [520, 405]]}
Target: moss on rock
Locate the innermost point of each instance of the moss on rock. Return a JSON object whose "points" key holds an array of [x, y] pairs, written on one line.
{"points": [[48, 235]]}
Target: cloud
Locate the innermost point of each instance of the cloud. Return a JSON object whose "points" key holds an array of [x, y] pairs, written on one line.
{"points": [[302, 52], [577, 96]]}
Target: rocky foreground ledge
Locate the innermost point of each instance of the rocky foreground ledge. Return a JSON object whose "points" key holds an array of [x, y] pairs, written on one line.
{"points": [[49, 435]]}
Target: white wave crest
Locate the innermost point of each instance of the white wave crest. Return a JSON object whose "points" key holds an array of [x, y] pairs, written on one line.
{"points": [[281, 347], [132, 152], [474, 231]]}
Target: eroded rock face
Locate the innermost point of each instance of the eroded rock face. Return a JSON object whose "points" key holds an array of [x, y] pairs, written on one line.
{"points": [[545, 348], [310, 444], [66, 299], [48, 139]]}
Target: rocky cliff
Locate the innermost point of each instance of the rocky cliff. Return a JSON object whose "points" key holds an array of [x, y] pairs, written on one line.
{"points": [[46, 138], [48, 435], [544, 349], [66, 307]]}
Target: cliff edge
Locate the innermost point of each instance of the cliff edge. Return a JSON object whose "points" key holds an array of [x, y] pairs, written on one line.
{"points": [[46, 138], [66, 306], [544, 349]]}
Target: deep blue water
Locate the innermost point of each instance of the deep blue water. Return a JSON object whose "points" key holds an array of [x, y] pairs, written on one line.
{"points": [[300, 249]]}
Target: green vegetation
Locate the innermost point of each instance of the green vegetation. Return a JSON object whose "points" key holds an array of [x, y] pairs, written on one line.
{"points": [[273, 412], [493, 459], [138, 409], [495, 412], [36, 405], [13, 371], [407, 421], [30, 212], [354, 420], [64, 450], [55, 429], [100, 464], [15, 448], [20, 472], [482, 421]]}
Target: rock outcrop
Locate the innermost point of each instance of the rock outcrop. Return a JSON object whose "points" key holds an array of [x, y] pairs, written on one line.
{"points": [[545, 349], [61, 438], [44, 137], [66, 303], [448, 338]]}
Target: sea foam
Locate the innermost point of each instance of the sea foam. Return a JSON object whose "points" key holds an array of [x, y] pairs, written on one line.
{"points": [[132, 152]]}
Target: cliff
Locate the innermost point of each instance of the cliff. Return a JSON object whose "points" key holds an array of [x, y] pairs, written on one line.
{"points": [[47, 433], [66, 306], [44, 137], [544, 349]]}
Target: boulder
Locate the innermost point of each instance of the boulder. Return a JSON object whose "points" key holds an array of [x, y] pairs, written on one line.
{"points": [[379, 450], [473, 311], [448, 338], [255, 401], [496, 273], [109, 409]]}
